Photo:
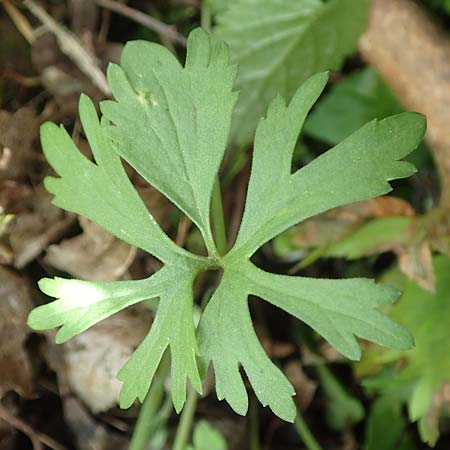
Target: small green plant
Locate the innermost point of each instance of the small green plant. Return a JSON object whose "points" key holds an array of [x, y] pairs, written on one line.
{"points": [[171, 124]]}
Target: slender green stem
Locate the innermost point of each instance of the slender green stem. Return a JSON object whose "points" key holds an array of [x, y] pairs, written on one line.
{"points": [[150, 407], [305, 433], [218, 219], [254, 425], [187, 416], [205, 20]]}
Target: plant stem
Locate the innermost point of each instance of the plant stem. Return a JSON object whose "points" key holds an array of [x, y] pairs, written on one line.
{"points": [[205, 20], [218, 219], [305, 433], [186, 419], [150, 407], [254, 425]]}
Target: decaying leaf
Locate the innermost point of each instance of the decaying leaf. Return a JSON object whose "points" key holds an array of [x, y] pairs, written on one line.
{"points": [[15, 305], [18, 131], [94, 255], [36, 225], [93, 358], [373, 227]]}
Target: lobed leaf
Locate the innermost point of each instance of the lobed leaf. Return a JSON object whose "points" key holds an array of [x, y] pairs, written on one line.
{"points": [[356, 169], [173, 327], [171, 124], [181, 118], [81, 304], [227, 338], [107, 196]]}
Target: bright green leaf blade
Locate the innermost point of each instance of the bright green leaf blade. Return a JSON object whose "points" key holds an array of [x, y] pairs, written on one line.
{"points": [[82, 304], [206, 437], [101, 192], [385, 425], [427, 315], [352, 102], [342, 408], [181, 118], [339, 310], [358, 168], [227, 338], [275, 141], [278, 44], [173, 327]]}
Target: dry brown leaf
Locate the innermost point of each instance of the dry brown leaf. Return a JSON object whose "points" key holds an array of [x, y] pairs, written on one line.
{"points": [[416, 262], [428, 232], [305, 387], [37, 223], [18, 132], [157, 203], [15, 304], [94, 255], [89, 433], [337, 223], [94, 357]]}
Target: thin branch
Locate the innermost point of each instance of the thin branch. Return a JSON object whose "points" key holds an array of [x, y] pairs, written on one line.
{"points": [[143, 19], [37, 439], [72, 47], [20, 21]]}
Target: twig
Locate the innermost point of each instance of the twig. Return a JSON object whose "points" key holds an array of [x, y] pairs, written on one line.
{"points": [[37, 439], [143, 19], [183, 230], [20, 21], [72, 47], [412, 53]]}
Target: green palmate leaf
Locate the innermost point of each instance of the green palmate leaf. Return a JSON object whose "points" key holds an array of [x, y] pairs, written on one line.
{"points": [[174, 128], [358, 168], [278, 44], [173, 326], [107, 196], [171, 124]]}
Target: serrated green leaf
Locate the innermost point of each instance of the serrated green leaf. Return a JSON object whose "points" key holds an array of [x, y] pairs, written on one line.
{"points": [[227, 338], [278, 44], [171, 124], [181, 118], [107, 196], [82, 304], [172, 328], [356, 169]]}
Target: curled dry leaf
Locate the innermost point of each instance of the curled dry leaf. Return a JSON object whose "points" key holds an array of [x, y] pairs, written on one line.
{"points": [[94, 357], [94, 255], [15, 305], [17, 133], [337, 223], [97, 255], [377, 226]]}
